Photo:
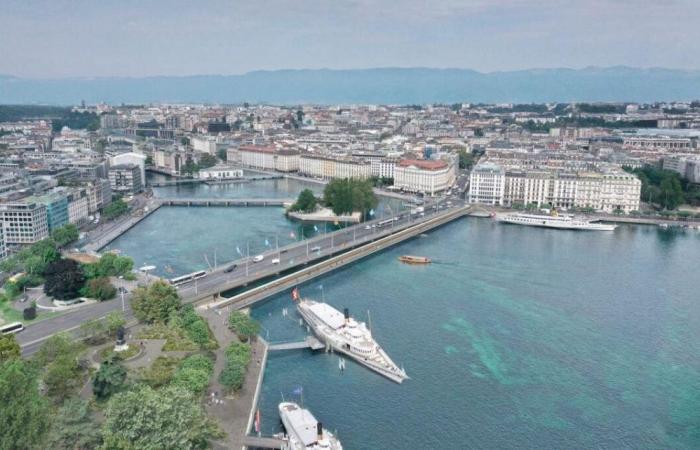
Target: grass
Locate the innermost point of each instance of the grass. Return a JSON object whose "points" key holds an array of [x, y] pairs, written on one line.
{"points": [[132, 351], [8, 314], [176, 339]]}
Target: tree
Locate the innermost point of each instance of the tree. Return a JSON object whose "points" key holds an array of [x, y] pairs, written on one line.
{"points": [[222, 154], [345, 196], [100, 289], [109, 265], [114, 321], [93, 331], [207, 160], [74, 427], [63, 378], [194, 373], [243, 325], [466, 160], [115, 209], [233, 373], [63, 279], [185, 141], [9, 348], [306, 202], [155, 303], [24, 414], [65, 235], [168, 418], [109, 379], [149, 160]]}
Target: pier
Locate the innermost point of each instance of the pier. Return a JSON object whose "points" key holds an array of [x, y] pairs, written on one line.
{"points": [[310, 342], [263, 442]]}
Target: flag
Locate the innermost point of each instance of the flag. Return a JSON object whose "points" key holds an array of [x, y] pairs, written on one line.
{"points": [[298, 391], [371, 212], [267, 243], [257, 421], [295, 294], [315, 228], [292, 235], [238, 250]]}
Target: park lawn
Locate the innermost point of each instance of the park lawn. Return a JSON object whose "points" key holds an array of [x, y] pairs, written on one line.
{"points": [[8, 314], [176, 338]]}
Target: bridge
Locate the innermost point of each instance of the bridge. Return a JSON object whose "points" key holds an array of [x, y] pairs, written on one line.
{"points": [[246, 179], [330, 251], [225, 201], [310, 342]]}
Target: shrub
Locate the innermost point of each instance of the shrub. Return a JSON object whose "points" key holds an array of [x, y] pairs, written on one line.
{"points": [[243, 325], [237, 358], [100, 289]]}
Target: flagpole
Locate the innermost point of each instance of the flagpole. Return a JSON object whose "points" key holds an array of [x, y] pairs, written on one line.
{"points": [[247, 259]]}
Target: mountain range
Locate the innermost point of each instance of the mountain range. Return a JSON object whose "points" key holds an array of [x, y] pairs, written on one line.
{"points": [[380, 85]]}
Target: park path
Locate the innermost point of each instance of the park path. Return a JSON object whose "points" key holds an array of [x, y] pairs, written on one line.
{"points": [[231, 411]]}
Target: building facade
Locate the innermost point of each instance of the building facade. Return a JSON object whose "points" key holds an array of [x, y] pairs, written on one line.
{"points": [[125, 179], [328, 168], [220, 173], [427, 176], [267, 158], [487, 184], [24, 222]]}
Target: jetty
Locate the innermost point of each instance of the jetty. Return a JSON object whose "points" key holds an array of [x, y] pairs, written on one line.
{"points": [[310, 342]]}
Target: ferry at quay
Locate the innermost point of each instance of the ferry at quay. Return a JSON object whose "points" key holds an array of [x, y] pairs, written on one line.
{"points": [[558, 221], [304, 432], [345, 335]]}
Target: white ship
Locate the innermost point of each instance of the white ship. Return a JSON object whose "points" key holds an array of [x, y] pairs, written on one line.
{"points": [[563, 222], [345, 335], [304, 432]]}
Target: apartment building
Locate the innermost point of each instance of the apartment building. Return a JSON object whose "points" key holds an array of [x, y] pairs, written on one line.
{"points": [[327, 167], [668, 144], [78, 208], [426, 176], [686, 166], [268, 158], [24, 222], [3, 247], [606, 191]]}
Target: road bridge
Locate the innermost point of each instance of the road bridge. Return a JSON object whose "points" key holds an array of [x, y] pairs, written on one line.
{"points": [[284, 259]]}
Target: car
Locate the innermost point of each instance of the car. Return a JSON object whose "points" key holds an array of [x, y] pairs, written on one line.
{"points": [[122, 290], [284, 250], [315, 248], [258, 258], [275, 261], [230, 268], [367, 227]]}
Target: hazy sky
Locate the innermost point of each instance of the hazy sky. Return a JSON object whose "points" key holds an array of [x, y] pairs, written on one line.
{"points": [[61, 38]]}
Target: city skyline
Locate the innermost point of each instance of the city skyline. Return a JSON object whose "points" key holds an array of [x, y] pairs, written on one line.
{"points": [[135, 39]]}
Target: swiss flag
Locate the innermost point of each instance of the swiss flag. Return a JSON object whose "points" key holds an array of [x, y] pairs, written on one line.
{"points": [[295, 294]]}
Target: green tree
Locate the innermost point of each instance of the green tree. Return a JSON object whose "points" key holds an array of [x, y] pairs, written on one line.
{"points": [[93, 331], [671, 194], [9, 348], [63, 378], [466, 160], [207, 160], [306, 202], [100, 289], [63, 279], [147, 419], [185, 141], [115, 209], [109, 379], [24, 415], [149, 160], [65, 235], [345, 196], [243, 325], [58, 345], [114, 320], [109, 265], [233, 373], [74, 427], [155, 303]]}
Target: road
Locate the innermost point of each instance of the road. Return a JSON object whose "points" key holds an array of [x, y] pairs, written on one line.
{"points": [[246, 272]]}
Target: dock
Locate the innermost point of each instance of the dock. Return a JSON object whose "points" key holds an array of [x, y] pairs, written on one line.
{"points": [[310, 342], [263, 442]]}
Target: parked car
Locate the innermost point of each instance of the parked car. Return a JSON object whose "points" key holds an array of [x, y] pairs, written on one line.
{"points": [[315, 248]]}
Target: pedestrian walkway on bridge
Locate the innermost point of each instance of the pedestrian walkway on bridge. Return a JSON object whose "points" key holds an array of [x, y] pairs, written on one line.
{"points": [[310, 342]]}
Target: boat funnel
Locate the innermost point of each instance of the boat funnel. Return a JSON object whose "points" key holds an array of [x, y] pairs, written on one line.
{"points": [[319, 430], [346, 311]]}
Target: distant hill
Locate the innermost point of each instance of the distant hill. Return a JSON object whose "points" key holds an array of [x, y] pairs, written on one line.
{"points": [[385, 85]]}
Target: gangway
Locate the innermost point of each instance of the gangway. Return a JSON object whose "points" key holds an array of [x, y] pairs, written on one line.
{"points": [[310, 342]]}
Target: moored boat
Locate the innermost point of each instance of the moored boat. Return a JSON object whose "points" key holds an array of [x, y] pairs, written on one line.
{"points": [[304, 432], [345, 335], [562, 222]]}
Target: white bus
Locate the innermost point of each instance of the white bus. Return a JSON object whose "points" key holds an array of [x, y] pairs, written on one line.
{"points": [[11, 328], [386, 222], [187, 278]]}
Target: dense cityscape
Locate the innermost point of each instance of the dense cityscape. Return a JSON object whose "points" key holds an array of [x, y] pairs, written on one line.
{"points": [[349, 224]]}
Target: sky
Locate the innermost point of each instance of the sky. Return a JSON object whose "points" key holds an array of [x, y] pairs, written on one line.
{"points": [[135, 38]]}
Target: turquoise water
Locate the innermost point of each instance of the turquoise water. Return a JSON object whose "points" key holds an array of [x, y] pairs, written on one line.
{"points": [[179, 240], [515, 338]]}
